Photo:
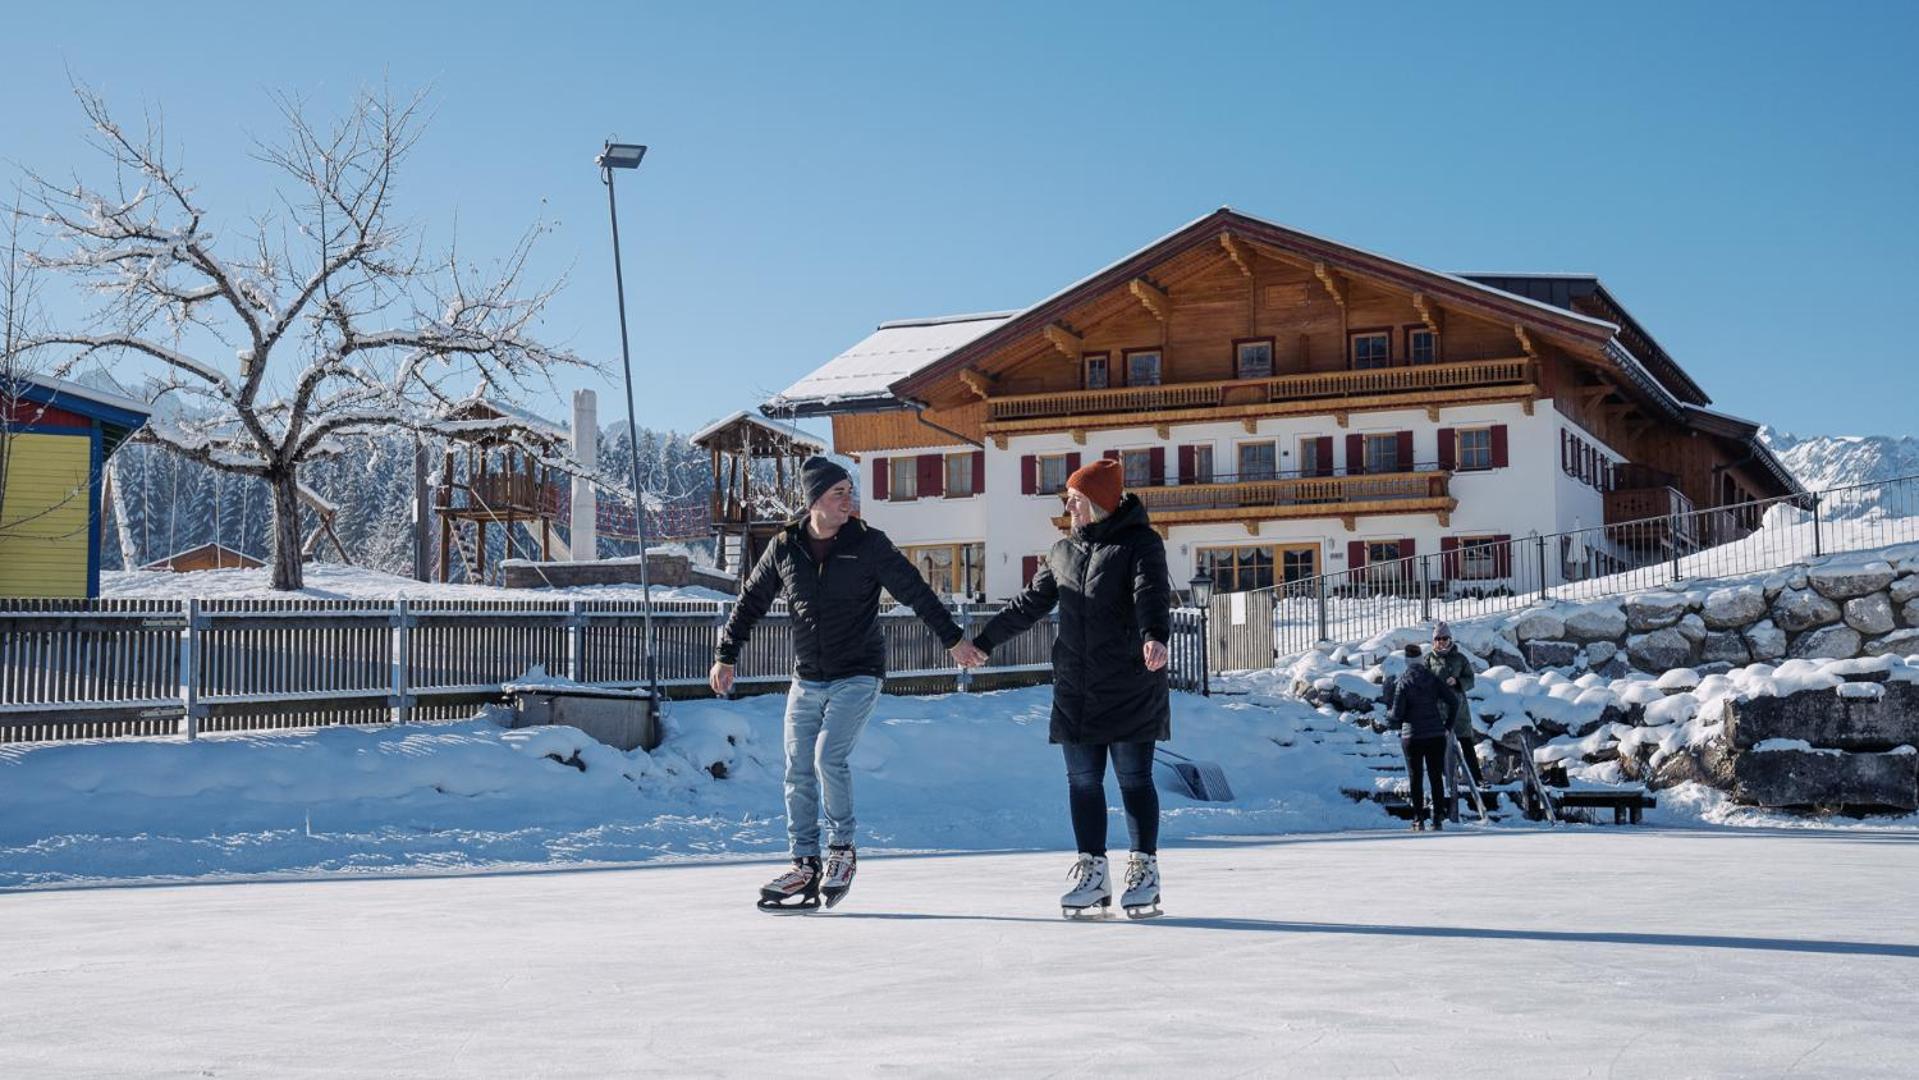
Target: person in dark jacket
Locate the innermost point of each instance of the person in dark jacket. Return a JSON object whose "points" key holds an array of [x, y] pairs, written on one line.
{"points": [[1423, 709], [830, 567], [1109, 581], [1456, 671]]}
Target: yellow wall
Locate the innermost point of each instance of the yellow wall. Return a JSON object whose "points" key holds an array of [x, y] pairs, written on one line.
{"points": [[43, 521]]}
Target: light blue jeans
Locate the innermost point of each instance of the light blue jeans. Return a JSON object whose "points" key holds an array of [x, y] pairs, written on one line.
{"points": [[823, 721]]}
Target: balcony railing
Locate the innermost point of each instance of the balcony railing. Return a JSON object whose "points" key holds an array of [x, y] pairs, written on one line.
{"points": [[1425, 489], [497, 495], [1370, 382], [1649, 510]]}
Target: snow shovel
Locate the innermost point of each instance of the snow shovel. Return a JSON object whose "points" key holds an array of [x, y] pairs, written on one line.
{"points": [[1204, 781]]}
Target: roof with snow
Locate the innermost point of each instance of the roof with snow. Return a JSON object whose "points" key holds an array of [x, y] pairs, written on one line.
{"points": [[784, 435], [480, 412], [862, 376]]}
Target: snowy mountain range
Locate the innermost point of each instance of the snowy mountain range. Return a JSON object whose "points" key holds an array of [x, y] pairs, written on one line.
{"points": [[1828, 461]]}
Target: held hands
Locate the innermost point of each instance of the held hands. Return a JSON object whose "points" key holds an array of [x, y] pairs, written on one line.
{"points": [[1155, 654], [967, 655], [720, 679]]}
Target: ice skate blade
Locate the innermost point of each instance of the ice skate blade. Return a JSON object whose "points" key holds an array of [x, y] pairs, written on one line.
{"points": [[804, 907], [833, 897], [1144, 911], [1089, 913]]}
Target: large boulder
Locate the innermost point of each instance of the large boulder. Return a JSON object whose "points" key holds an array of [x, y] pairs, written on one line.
{"points": [[1897, 643], [1798, 610], [1551, 654], [1884, 719], [1909, 614], [1539, 624], [1724, 645], [1827, 643], [1654, 610], [1498, 651], [1732, 608], [1870, 614], [1906, 588], [1659, 651], [1600, 653], [1802, 777], [1596, 622], [1693, 629], [1766, 641], [1843, 581]]}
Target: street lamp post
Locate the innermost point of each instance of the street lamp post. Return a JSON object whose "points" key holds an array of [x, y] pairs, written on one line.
{"points": [[1202, 589], [628, 156]]}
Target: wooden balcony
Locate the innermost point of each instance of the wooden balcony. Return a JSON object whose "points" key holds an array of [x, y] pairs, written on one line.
{"points": [[1344, 497], [498, 496], [1337, 392], [1647, 517]]}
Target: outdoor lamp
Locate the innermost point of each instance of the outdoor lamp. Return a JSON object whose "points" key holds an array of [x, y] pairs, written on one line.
{"points": [[1202, 588], [620, 156]]}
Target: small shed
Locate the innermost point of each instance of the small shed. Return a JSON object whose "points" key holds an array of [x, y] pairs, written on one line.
{"points": [[208, 556], [55, 438]]}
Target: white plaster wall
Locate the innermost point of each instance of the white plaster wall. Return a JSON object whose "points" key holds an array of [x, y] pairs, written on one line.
{"points": [[928, 520]]}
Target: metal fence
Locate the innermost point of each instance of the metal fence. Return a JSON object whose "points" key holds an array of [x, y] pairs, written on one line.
{"points": [[1665, 551], [104, 668]]}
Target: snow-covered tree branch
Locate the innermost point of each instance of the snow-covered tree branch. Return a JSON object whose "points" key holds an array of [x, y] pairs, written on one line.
{"points": [[320, 320]]}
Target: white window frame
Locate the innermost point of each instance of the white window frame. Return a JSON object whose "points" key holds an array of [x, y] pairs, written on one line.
{"points": [[1459, 448], [902, 492], [1240, 473], [972, 481], [1039, 474]]}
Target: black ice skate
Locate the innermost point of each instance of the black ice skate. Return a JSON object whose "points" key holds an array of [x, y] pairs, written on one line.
{"points": [[796, 891]]}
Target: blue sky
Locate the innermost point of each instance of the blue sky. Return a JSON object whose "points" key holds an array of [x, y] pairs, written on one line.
{"points": [[1743, 176]]}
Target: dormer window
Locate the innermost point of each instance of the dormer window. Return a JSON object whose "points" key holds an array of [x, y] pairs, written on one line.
{"points": [[1097, 375], [1253, 359], [1142, 367], [1372, 349], [1422, 346]]}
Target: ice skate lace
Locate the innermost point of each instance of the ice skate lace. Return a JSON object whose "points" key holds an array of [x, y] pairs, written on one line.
{"points": [[794, 878], [1135, 873], [838, 865], [1081, 872]]}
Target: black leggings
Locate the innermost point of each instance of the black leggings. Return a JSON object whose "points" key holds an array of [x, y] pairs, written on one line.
{"points": [[1427, 754], [1086, 791]]}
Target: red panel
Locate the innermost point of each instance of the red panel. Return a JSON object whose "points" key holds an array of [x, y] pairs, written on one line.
{"points": [[932, 476], [1405, 453], [1503, 556], [879, 479], [1072, 464], [1028, 474], [1355, 554], [20, 412], [979, 472], [1449, 557], [1448, 455], [1028, 567], [1355, 454], [1186, 464], [1406, 549], [1110, 455], [1157, 465], [1499, 446], [1325, 455]]}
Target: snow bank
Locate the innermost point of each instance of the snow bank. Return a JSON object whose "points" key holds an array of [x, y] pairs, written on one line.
{"points": [[948, 773]]}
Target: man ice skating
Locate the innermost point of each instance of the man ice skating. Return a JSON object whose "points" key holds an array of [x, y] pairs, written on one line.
{"points": [[1422, 710], [830, 567], [1110, 701], [1453, 668]]}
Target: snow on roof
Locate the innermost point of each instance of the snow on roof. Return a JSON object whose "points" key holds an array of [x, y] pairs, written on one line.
{"points": [[888, 354], [785, 431], [87, 393], [524, 416]]}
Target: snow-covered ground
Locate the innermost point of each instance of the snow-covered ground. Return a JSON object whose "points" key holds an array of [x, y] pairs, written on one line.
{"points": [[337, 581], [1574, 952]]}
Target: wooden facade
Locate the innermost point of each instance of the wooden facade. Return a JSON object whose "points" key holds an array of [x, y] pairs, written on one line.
{"points": [[55, 438]]}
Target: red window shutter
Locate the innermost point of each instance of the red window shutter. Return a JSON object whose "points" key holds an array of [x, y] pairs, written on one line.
{"points": [[932, 476], [879, 479], [1447, 455], [1449, 557], [1028, 474], [1565, 451], [1028, 567], [1406, 548], [979, 472], [1186, 466], [1156, 466], [1355, 554], [1110, 455], [1499, 446], [1325, 452], [1405, 452], [1503, 556], [1072, 464], [1355, 454]]}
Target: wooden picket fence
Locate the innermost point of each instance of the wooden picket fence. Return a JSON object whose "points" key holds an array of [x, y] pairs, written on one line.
{"points": [[85, 669]]}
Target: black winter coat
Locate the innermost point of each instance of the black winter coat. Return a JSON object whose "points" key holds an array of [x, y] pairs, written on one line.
{"points": [[836, 626], [1110, 583], [1419, 699]]}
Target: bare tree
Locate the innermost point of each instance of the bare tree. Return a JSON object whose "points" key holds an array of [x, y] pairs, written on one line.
{"points": [[321, 319]]}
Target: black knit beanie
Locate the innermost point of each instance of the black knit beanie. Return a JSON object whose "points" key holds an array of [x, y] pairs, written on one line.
{"points": [[817, 476]]}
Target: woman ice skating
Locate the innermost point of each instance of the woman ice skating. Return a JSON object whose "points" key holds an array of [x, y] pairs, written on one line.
{"points": [[1422, 709], [830, 567], [1110, 702]]}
